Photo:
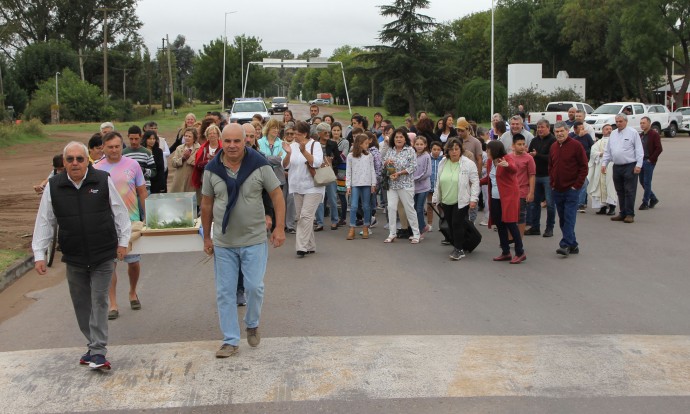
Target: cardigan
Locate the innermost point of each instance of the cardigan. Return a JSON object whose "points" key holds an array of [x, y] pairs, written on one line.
{"points": [[506, 180]]}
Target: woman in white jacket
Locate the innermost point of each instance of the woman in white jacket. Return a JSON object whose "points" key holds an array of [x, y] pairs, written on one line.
{"points": [[457, 190]]}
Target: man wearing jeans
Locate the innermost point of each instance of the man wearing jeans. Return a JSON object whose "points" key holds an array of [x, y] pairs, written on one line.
{"points": [[568, 169], [232, 199], [651, 145], [626, 153], [94, 229], [539, 149]]}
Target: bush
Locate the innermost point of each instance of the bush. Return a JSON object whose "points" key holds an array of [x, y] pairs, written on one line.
{"points": [[143, 111], [122, 110], [180, 100], [474, 100], [11, 134], [535, 101], [394, 103], [79, 101]]}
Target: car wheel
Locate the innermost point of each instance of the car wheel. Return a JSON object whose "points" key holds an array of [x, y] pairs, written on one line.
{"points": [[657, 128], [671, 131]]}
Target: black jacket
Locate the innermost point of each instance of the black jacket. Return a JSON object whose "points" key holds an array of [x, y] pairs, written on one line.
{"points": [[541, 160]]}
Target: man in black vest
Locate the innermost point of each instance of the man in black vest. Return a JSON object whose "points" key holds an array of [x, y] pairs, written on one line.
{"points": [[94, 229]]}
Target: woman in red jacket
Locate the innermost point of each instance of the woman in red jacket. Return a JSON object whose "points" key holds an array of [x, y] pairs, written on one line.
{"points": [[505, 200]]}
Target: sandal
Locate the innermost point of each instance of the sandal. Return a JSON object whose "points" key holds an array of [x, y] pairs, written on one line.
{"points": [[389, 239], [135, 304], [113, 314], [414, 240]]}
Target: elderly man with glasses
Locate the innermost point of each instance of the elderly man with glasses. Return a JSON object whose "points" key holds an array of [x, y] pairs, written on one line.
{"points": [[94, 229]]}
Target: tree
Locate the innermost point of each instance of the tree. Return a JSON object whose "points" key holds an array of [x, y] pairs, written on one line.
{"points": [[404, 59], [79, 101], [184, 57], [41, 60], [79, 23]]}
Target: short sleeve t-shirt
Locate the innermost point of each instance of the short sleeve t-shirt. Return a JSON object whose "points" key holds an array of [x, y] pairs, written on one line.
{"points": [[247, 224], [525, 168], [127, 176], [474, 146]]}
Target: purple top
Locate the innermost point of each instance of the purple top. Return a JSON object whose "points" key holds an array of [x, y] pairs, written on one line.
{"points": [[422, 174]]}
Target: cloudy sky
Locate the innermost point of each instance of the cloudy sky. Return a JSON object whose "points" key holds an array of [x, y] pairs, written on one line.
{"points": [[295, 25]]}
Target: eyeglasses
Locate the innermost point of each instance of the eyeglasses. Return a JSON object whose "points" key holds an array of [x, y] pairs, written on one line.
{"points": [[70, 159]]}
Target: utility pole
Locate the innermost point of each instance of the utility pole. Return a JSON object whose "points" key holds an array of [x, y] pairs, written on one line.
{"points": [[2, 93], [162, 73], [172, 96], [105, 11], [124, 81]]}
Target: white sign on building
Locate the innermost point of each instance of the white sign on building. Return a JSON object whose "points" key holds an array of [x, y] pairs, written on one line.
{"points": [[528, 76]]}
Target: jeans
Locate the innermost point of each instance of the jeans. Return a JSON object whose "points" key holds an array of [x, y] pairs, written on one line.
{"points": [[363, 192], [419, 203], [626, 187], [504, 228], [456, 222], [582, 198], [566, 205], [646, 182], [227, 261], [332, 205], [88, 288], [542, 190]]}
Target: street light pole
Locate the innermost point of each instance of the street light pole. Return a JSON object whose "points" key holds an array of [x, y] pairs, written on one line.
{"points": [[57, 98], [225, 47], [492, 60]]}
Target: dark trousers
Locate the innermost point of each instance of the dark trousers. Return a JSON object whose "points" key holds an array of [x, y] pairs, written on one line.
{"points": [[504, 228], [542, 191], [625, 181], [566, 205], [456, 222]]}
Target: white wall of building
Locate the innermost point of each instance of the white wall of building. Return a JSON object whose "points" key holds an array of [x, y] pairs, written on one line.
{"points": [[528, 76]]}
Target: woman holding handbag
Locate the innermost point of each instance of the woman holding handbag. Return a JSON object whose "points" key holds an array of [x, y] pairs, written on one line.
{"points": [[457, 190], [300, 155]]}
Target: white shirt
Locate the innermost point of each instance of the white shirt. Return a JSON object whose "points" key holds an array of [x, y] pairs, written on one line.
{"points": [[624, 147], [166, 151], [45, 220], [301, 182]]}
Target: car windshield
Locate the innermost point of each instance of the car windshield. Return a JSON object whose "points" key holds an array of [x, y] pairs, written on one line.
{"points": [[558, 107], [249, 107], [608, 109], [279, 100], [684, 111]]}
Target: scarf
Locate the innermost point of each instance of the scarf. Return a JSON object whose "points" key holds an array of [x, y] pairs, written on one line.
{"points": [[251, 161]]}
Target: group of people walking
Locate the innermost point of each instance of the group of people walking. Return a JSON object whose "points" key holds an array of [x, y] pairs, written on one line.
{"points": [[457, 170]]}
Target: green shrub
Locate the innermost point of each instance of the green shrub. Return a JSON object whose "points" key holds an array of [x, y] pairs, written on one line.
{"points": [[28, 131], [122, 110], [79, 100], [394, 103], [474, 102]]}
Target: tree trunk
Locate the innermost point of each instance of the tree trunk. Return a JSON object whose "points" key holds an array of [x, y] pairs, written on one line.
{"points": [[411, 105], [624, 87]]}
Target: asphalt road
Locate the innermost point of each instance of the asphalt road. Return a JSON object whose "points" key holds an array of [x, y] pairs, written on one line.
{"points": [[362, 326]]}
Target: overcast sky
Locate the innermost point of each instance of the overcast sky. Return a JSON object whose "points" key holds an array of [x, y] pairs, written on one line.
{"points": [[295, 25]]}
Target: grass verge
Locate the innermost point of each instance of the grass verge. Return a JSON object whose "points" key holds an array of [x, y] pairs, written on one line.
{"points": [[7, 257], [369, 113], [13, 134]]}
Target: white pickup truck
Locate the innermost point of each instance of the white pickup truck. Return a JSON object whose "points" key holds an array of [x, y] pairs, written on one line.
{"points": [[662, 120], [556, 112]]}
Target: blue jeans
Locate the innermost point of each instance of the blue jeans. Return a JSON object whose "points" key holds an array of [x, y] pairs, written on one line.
{"points": [[227, 261], [646, 182], [582, 199], [419, 203], [542, 190], [331, 199], [363, 192], [566, 205]]}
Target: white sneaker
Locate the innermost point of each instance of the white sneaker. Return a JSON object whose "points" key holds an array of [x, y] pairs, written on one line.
{"points": [[373, 222], [370, 232], [483, 223], [430, 228]]}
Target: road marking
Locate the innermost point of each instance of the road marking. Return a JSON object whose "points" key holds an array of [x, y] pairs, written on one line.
{"points": [[186, 374]]}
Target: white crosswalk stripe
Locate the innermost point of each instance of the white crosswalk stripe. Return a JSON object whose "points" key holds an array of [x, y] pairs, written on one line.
{"points": [[186, 374]]}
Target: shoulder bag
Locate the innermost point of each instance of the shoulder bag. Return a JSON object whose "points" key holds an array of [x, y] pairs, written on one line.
{"points": [[323, 175]]}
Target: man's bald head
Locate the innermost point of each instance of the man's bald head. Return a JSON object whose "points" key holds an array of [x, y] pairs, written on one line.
{"points": [[232, 139], [250, 134], [233, 130]]}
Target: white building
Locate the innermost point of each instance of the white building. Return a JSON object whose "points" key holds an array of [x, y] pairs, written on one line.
{"points": [[528, 76]]}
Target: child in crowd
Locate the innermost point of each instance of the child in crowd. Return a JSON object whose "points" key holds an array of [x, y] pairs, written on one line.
{"points": [[436, 157], [422, 180], [526, 176], [58, 167], [360, 179], [340, 165]]}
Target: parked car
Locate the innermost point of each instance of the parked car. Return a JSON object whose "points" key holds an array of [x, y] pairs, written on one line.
{"points": [[685, 123], [243, 109], [606, 115], [669, 122], [320, 102], [279, 104], [556, 112]]}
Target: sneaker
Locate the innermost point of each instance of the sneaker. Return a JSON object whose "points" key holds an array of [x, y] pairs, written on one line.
{"points": [[563, 251], [98, 361], [291, 231], [445, 242], [359, 223], [85, 359], [227, 350], [253, 337], [574, 250], [457, 254], [548, 233], [629, 219], [429, 228], [654, 202], [301, 253], [241, 298], [484, 223], [643, 206], [361, 232], [373, 222], [341, 223], [318, 228], [532, 231], [582, 208]]}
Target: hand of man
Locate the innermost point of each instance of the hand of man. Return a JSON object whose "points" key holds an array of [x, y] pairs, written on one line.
{"points": [[473, 204], [533, 153], [40, 267], [603, 170], [348, 191], [373, 189], [269, 222], [208, 246], [121, 252], [530, 198], [637, 170], [277, 237]]}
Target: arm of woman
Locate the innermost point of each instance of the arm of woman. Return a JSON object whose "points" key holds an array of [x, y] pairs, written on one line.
{"points": [[372, 172], [474, 183], [410, 161], [348, 172], [192, 158], [436, 197], [176, 160], [315, 159]]}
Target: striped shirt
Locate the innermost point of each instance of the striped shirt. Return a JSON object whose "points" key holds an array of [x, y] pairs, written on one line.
{"points": [[145, 159]]}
